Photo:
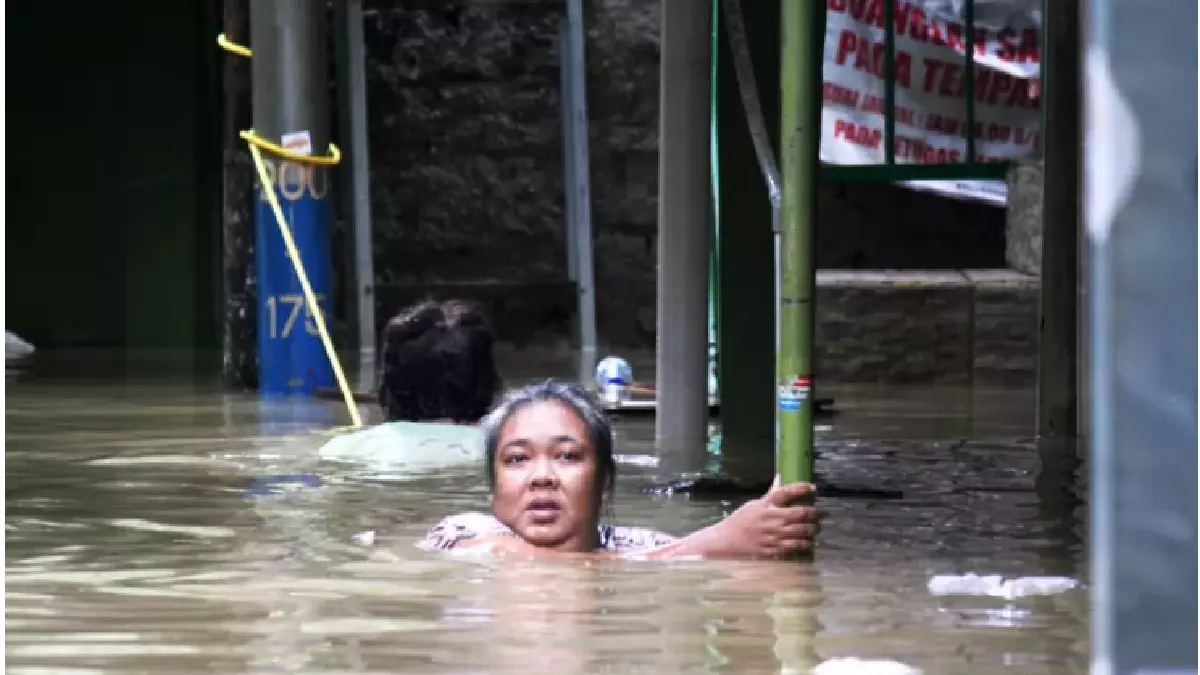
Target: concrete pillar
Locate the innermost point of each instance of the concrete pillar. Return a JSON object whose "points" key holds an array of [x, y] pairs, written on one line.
{"points": [[684, 207], [1058, 399]]}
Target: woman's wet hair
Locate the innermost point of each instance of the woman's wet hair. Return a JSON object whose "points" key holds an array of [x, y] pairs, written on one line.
{"points": [[438, 364], [575, 398]]}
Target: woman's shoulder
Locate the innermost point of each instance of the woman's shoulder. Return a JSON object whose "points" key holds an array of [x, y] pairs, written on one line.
{"points": [[626, 539], [452, 530]]}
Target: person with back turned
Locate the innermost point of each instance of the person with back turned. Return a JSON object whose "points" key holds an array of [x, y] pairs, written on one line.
{"points": [[437, 381]]}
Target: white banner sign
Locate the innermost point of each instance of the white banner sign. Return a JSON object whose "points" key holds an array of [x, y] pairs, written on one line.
{"points": [[930, 90]]}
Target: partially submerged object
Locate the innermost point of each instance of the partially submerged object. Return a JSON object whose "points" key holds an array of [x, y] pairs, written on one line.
{"points": [[17, 352], [619, 393], [995, 585], [644, 402], [856, 666]]}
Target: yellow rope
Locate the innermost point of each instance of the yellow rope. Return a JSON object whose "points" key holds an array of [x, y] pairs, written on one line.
{"points": [[334, 156], [233, 47], [268, 187]]}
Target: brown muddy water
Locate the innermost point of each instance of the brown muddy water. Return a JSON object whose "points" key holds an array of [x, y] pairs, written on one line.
{"points": [[134, 546]]}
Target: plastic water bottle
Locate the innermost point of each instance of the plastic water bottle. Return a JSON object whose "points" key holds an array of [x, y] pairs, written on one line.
{"points": [[614, 376]]}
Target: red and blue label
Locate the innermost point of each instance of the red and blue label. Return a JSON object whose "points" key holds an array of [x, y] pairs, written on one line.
{"points": [[794, 393]]}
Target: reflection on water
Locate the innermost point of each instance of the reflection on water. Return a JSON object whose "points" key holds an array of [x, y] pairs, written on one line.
{"points": [[134, 544]]}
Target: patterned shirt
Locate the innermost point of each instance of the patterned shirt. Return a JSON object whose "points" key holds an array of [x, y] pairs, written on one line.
{"points": [[453, 530]]}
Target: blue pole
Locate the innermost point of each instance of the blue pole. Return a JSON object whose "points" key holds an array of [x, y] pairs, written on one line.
{"points": [[291, 108], [292, 359]]}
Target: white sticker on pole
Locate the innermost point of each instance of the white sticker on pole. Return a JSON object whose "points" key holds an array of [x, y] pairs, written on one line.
{"points": [[793, 393], [298, 141]]}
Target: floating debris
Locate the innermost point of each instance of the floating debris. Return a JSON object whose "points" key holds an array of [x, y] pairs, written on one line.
{"points": [[996, 586], [16, 349], [854, 666]]}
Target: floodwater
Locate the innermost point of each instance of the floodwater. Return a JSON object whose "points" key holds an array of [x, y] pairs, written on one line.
{"points": [[133, 546]]}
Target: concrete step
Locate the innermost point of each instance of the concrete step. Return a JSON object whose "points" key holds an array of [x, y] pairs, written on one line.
{"points": [[927, 326]]}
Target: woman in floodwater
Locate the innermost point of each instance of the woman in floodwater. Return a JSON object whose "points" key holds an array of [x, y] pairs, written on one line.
{"points": [[549, 459], [438, 379]]}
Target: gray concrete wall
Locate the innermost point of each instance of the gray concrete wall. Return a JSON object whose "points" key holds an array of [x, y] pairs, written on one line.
{"points": [[951, 327]]}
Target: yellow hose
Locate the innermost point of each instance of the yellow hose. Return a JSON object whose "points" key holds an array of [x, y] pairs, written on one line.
{"points": [[233, 47], [261, 143], [268, 188]]}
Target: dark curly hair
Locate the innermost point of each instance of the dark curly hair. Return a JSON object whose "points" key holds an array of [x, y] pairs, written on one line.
{"points": [[438, 364]]}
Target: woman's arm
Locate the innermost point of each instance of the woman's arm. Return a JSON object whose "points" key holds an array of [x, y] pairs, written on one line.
{"points": [[767, 527], [705, 543]]}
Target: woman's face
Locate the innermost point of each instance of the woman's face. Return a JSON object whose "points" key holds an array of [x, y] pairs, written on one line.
{"points": [[548, 485]]}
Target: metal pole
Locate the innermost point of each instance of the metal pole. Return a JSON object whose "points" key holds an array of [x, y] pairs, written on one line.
{"points": [[1140, 216], [291, 108], [684, 203], [714, 223], [239, 353], [581, 189], [1057, 394], [355, 122], [802, 35], [568, 134]]}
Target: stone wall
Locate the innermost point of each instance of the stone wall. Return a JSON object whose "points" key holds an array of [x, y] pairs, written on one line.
{"points": [[951, 327], [467, 166]]}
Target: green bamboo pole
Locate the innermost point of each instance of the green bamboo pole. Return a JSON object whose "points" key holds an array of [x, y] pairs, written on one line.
{"points": [[800, 87]]}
